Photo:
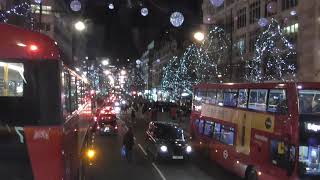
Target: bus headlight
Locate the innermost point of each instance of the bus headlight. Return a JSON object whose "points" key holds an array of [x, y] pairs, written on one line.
{"points": [[164, 148], [188, 149], [91, 153]]}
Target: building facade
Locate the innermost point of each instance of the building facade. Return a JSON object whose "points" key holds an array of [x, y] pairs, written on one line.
{"points": [[240, 19], [164, 50]]}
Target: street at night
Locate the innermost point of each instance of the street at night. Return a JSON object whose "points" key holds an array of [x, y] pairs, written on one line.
{"points": [[159, 90], [110, 164]]}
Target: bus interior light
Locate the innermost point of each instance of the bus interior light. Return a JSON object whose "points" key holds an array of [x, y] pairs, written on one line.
{"points": [[21, 44]]}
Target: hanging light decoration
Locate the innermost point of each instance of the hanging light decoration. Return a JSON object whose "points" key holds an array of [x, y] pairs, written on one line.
{"points": [[263, 22], [111, 6], [75, 5], [293, 12], [216, 3], [272, 7], [177, 19], [38, 1], [144, 11]]}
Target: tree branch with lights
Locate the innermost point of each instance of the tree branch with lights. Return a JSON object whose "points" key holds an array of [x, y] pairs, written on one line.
{"points": [[273, 57]]}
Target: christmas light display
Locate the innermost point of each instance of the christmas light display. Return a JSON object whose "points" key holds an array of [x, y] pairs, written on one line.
{"points": [[214, 51], [23, 9], [169, 81], [188, 70], [273, 57], [198, 64], [135, 80]]}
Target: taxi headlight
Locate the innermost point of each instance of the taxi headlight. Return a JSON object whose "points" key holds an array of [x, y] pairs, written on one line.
{"points": [[188, 149], [164, 148]]}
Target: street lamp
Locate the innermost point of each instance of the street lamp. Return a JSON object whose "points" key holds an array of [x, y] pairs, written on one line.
{"points": [[80, 26], [199, 36], [105, 62]]}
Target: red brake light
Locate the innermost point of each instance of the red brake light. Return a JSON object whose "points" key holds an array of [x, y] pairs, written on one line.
{"points": [[33, 47]]}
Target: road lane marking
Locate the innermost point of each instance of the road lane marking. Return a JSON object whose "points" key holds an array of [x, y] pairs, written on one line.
{"points": [[158, 170], [144, 152]]}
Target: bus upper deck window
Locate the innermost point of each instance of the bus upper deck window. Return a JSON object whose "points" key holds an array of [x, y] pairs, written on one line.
{"points": [[309, 101], [11, 79], [277, 101], [258, 99], [243, 98]]}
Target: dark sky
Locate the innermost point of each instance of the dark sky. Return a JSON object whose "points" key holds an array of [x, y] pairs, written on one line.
{"points": [[124, 33]]}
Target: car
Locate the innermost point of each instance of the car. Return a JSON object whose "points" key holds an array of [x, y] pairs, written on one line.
{"points": [[166, 141], [107, 124]]}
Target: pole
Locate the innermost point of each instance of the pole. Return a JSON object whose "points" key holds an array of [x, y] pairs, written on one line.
{"points": [[231, 44], [40, 16]]}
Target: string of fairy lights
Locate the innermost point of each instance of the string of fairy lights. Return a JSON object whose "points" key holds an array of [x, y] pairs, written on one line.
{"points": [[272, 57], [23, 9], [271, 61], [197, 64]]}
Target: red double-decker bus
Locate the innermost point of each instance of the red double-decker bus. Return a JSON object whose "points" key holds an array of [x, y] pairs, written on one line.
{"points": [[45, 109], [259, 131]]}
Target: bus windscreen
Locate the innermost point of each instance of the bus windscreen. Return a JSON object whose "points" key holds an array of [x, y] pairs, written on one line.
{"points": [[309, 101]]}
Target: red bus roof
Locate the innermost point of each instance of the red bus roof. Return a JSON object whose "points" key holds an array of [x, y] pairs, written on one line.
{"points": [[265, 85], [19, 43]]}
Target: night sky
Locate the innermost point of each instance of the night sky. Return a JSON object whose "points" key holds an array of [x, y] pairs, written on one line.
{"points": [[124, 33]]}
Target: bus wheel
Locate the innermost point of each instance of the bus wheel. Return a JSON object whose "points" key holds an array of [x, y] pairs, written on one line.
{"points": [[251, 174]]}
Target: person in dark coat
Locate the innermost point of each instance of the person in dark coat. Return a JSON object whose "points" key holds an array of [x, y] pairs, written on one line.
{"points": [[128, 142], [133, 115]]}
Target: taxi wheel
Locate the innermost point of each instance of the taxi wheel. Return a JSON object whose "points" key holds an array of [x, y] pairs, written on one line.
{"points": [[252, 174]]}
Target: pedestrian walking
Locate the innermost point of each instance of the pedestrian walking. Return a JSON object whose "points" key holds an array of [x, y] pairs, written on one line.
{"points": [[128, 142], [133, 116]]}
